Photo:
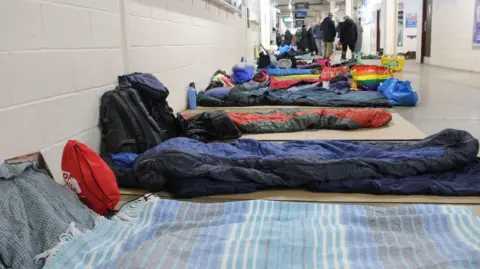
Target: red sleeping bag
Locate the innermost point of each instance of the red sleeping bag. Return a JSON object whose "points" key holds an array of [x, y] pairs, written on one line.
{"points": [[89, 177]]}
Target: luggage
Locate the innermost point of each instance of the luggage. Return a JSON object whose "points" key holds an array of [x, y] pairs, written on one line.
{"points": [[369, 77], [328, 73], [394, 63], [126, 124], [89, 177], [399, 93], [136, 116], [154, 97]]}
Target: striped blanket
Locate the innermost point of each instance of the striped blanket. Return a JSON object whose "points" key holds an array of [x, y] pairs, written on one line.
{"points": [[268, 234]]}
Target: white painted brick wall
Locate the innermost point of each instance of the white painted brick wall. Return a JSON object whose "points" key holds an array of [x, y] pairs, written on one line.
{"points": [[452, 32], [57, 57], [56, 60], [181, 41]]}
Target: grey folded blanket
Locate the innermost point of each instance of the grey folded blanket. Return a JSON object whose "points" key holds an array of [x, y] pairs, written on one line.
{"points": [[34, 212]]}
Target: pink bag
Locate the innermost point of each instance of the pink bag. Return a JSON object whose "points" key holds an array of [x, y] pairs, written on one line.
{"points": [[326, 61]]}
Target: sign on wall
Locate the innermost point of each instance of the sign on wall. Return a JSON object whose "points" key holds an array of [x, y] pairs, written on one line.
{"points": [[476, 25], [301, 14], [299, 23], [304, 5], [411, 20], [400, 25]]}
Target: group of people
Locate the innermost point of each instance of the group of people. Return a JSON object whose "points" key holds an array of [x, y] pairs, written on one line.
{"points": [[320, 37]]}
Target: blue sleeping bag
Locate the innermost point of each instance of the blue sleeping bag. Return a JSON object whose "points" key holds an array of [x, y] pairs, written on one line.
{"points": [[287, 71], [399, 93], [443, 164]]}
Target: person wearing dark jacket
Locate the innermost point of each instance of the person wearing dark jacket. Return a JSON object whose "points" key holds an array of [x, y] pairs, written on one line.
{"points": [[339, 26], [301, 38], [287, 39], [312, 47], [278, 39], [329, 33], [348, 37]]}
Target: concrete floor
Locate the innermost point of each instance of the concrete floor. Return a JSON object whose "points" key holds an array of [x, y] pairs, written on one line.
{"points": [[448, 98]]}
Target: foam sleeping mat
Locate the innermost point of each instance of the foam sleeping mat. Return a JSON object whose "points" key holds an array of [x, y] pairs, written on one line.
{"points": [[307, 196]]}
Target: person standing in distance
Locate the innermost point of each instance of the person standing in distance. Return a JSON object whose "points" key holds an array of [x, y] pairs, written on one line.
{"points": [[358, 44], [348, 37], [318, 36], [288, 38], [329, 33]]}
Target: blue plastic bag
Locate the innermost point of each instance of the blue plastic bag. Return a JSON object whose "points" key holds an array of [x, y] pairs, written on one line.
{"points": [[399, 93], [283, 49], [242, 75]]}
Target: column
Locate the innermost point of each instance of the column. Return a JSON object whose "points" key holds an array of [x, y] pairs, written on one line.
{"points": [[333, 5], [349, 8], [390, 33]]}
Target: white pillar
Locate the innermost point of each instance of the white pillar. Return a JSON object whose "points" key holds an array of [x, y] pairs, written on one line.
{"points": [[349, 8], [333, 5], [390, 34], [265, 28]]}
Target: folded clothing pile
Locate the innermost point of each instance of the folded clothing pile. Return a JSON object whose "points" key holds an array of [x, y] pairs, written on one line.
{"points": [[36, 214]]}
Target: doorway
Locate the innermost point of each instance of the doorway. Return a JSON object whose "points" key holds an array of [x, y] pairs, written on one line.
{"points": [[427, 31]]}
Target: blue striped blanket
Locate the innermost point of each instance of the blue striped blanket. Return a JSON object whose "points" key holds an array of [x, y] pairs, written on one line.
{"points": [[267, 234]]}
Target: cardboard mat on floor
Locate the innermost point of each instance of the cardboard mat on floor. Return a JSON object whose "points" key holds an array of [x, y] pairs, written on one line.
{"points": [[397, 130], [201, 109], [306, 196]]}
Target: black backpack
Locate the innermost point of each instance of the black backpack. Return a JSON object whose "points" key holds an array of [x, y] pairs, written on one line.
{"points": [[154, 97], [135, 116], [125, 123]]}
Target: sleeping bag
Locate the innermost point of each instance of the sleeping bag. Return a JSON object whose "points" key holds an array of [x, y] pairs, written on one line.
{"points": [[286, 120], [189, 168]]}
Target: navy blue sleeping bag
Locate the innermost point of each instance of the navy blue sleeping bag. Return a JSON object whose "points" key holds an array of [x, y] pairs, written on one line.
{"points": [[442, 164]]}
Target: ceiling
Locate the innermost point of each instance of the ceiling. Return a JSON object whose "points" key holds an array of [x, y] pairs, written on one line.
{"points": [[327, 2]]}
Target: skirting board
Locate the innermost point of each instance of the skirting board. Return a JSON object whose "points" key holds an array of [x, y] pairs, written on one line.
{"points": [[306, 196]]}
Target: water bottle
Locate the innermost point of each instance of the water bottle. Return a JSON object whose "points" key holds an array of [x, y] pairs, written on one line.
{"points": [[192, 96]]}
